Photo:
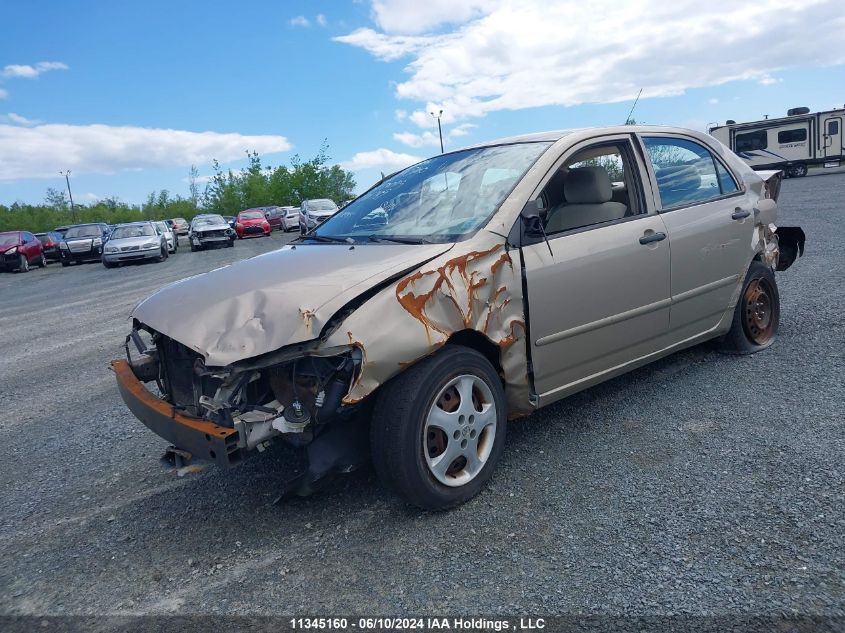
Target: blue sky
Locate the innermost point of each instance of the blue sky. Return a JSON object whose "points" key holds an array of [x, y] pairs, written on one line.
{"points": [[128, 95]]}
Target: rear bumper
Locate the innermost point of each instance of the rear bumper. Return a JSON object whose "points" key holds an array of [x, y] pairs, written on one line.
{"points": [[203, 439]]}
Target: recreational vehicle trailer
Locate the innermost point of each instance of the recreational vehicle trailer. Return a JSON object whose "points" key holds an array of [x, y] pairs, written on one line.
{"points": [[791, 143]]}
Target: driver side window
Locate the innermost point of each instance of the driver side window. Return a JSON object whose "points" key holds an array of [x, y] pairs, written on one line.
{"points": [[594, 186]]}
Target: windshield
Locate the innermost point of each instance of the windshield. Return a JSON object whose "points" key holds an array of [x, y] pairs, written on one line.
{"points": [[83, 231], [8, 239], [209, 220], [133, 230], [320, 205], [442, 199], [251, 215]]}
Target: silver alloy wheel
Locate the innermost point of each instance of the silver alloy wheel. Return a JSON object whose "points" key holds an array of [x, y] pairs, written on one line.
{"points": [[460, 429]]}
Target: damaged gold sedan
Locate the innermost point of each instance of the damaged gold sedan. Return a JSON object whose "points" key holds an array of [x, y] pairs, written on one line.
{"points": [[460, 293]]}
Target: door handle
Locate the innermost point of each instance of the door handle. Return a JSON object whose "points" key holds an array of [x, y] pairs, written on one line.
{"points": [[740, 214], [652, 237]]}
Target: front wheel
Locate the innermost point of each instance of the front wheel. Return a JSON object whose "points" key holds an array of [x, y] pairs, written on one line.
{"points": [[438, 429], [23, 264], [42, 263], [757, 313]]}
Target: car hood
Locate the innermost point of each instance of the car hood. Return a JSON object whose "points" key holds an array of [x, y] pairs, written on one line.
{"points": [[261, 304], [211, 227], [123, 242]]}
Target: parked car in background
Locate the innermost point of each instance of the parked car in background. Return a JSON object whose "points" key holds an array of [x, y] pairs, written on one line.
{"points": [[137, 241], [50, 243], [61, 230], [19, 250], [180, 226], [83, 242], [252, 223], [274, 216], [169, 235], [290, 219], [471, 301], [210, 229], [230, 220], [315, 212]]}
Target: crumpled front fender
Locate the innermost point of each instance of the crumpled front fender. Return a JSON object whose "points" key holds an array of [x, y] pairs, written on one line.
{"points": [[477, 287]]}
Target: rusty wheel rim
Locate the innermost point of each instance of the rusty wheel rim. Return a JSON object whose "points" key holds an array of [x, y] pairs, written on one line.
{"points": [[758, 312], [460, 429]]}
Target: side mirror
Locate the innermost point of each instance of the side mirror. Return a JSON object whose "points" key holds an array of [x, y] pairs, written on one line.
{"points": [[531, 221]]}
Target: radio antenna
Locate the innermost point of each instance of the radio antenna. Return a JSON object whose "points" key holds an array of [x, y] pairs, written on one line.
{"points": [[629, 120]]}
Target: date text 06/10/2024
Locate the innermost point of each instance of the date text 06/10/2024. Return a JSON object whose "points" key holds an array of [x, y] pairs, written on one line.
{"points": [[417, 624]]}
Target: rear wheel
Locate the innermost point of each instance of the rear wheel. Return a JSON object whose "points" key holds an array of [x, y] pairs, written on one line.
{"points": [[757, 314], [23, 264], [65, 264], [42, 262], [798, 171], [438, 429]]}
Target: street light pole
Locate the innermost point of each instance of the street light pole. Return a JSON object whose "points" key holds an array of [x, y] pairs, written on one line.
{"points": [[66, 174], [439, 129]]}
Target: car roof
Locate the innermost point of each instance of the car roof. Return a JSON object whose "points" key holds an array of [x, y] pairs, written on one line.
{"points": [[555, 135]]}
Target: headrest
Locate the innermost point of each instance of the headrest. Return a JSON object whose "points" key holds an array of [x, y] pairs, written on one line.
{"points": [[679, 178], [587, 185]]}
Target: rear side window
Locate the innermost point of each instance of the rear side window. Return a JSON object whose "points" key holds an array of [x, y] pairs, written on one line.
{"points": [[750, 141], [687, 172], [792, 136]]}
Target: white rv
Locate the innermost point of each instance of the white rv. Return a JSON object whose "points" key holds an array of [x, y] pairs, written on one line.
{"points": [[791, 143]]}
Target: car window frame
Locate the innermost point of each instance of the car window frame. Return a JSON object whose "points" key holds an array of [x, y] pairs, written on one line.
{"points": [[638, 169], [658, 202]]}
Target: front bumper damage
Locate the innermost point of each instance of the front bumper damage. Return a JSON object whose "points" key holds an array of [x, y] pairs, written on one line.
{"points": [[223, 415], [201, 438]]}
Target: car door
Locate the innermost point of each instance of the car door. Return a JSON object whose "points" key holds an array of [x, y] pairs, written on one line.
{"points": [[710, 220], [31, 247], [598, 291]]}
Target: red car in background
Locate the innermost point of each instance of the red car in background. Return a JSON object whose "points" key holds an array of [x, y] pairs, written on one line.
{"points": [[50, 242], [251, 222], [19, 250]]}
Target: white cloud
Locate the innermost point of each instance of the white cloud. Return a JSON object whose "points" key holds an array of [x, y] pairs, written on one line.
{"points": [[41, 151], [386, 48], [767, 80], [532, 53], [321, 19], [382, 159], [18, 119], [3, 93], [413, 16], [713, 101], [400, 115], [299, 20], [30, 72], [433, 138]]}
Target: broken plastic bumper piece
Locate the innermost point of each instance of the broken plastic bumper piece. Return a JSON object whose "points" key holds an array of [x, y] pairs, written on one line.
{"points": [[203, 439]]}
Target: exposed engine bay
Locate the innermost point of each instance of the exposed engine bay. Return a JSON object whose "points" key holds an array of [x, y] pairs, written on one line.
{"points": [[295, 396]]}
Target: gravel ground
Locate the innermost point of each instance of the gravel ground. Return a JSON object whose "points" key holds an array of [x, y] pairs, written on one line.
{"points": [[703, 484]]}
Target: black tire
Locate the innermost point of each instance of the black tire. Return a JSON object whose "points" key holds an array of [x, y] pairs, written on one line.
{"points": [[194, 249], [798, 171], [23, 264], [162, 255], [399, 419], [65, 264], [230, 244], [757, 313], [42, 263], [107, 264]]}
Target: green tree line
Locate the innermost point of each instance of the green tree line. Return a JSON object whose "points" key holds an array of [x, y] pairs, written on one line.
{"points": [[227, 192]]}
